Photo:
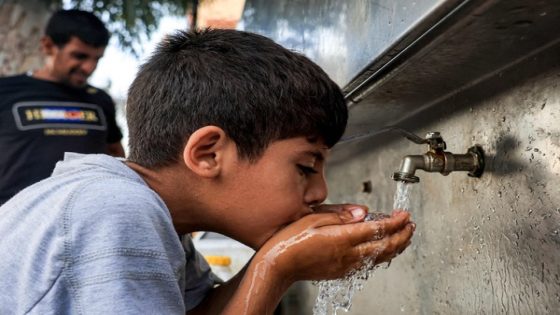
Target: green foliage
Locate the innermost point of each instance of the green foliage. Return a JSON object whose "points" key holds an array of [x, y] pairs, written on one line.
{"points": [[132, 20]]}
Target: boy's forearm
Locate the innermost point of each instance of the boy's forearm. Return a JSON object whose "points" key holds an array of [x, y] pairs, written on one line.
{"points": [[256, 289], [260, 289]]}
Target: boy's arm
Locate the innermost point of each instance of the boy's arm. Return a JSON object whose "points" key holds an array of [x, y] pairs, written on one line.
{"points": [[232, 296], [318, 246]]}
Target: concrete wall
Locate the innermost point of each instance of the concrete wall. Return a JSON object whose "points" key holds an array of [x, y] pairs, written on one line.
{"points": [[480, 72], [482, 246], [21, 27]]}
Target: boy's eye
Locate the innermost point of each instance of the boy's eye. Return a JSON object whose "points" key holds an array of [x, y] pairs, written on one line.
{"points": [[306, 170]]}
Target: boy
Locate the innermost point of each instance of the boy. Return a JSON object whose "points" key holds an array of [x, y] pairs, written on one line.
{"points": [[228, 133]]}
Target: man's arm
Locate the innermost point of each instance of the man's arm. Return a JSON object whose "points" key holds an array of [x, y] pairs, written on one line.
{"points": [[115, 149], [316, 247]]}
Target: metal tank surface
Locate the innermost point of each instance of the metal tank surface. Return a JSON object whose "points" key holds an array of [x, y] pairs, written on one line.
{"points": [[342, 36], [479, 72], [488, 245]]}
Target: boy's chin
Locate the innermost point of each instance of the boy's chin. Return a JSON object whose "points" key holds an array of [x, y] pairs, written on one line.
{"points": [[257, 242]]}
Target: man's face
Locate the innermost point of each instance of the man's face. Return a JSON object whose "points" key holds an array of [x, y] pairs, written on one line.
{"points": [[276, 190], [73, 63]]}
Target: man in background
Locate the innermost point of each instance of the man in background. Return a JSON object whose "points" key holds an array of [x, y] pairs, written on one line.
{"points": [[53, 110]]}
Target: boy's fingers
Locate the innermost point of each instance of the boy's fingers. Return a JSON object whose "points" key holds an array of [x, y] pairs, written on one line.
{"points": [[400, 240], [396, 222], [338, 208], [334, 218], [404, 247], [344, 213], [361, 232], [389, 247], [349, 213], [376, 230]]}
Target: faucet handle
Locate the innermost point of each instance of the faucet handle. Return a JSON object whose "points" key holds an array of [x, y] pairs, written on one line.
{"points": [[435, 141], [410, 136]]}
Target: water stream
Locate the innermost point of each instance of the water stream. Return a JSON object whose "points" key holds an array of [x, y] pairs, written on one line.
{"points": [[402, 196], [337, 294]]}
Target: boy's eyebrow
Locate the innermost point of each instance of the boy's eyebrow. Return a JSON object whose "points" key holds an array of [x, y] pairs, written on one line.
{"points": [[316, 154]]}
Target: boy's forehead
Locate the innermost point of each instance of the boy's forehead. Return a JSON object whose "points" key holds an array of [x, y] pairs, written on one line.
{"points": [[320, 153], [312, 147]]}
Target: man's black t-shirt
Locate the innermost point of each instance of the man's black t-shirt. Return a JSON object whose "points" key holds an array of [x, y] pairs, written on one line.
{"points": [[40, 120]]}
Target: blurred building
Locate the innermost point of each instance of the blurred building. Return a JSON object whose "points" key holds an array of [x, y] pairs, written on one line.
{"points": [[219, 13]]}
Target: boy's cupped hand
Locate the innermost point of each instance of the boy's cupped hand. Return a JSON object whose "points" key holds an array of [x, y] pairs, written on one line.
{"points": [[335, 240]]}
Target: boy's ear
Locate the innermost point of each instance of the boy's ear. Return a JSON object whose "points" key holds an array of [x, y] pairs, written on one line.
{"points": [[203, 154]]}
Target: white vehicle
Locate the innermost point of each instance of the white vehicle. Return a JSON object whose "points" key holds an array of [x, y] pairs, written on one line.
{"points": [[227, 256], [224, 255]]}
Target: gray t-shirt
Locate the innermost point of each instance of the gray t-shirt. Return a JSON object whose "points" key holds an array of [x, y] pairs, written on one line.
{"points": [[95, 239]]}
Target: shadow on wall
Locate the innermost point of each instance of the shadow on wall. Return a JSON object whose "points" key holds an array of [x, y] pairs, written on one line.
{"points": [[504, 162]]}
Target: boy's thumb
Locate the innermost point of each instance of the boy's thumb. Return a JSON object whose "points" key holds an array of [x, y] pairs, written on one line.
{"points": [[351, 215]]}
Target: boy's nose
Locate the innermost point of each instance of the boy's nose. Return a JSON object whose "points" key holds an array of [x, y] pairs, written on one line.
{"points": [[317, 190]]}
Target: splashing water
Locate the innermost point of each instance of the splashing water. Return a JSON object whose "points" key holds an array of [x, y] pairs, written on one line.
{"points": [[337, 294]]}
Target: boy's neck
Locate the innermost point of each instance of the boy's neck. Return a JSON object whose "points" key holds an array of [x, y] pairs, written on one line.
{"points": [[170, 183]]}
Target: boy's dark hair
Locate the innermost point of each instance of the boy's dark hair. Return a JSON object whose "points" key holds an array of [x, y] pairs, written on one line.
{"points": [[254, 89], [64, 24]]}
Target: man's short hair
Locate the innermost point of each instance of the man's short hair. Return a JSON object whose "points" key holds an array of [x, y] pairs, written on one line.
{"points": [[64, 24], [254, 89]]}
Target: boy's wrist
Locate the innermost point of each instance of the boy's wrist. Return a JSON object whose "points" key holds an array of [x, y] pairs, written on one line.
{"points": [[270, 269], [261, 288]]}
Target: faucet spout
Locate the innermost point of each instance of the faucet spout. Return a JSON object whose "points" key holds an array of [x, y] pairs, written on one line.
{"points": [[437, 160], [409, 165]]}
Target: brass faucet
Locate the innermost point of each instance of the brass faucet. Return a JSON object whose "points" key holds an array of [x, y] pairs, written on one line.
{"points": [[437, 159]]}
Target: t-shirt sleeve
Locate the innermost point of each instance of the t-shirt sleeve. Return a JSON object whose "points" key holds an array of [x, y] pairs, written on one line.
{"points": [[199, 279], [126, 257], [114, 133]]}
